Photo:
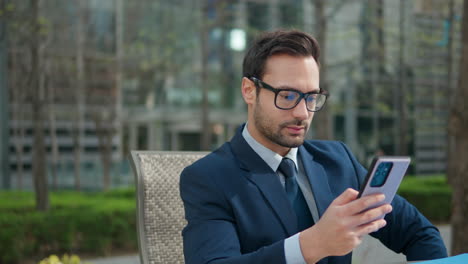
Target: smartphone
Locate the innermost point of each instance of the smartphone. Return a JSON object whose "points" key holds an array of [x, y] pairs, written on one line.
{"points": [[384, 176]]}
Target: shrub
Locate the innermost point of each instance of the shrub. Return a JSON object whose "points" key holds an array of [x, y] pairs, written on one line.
{"points": [[430, 194], [91, 223], [98, 223]]}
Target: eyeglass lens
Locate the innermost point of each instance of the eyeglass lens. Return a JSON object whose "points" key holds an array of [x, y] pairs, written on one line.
{"points": [[289, 99]]}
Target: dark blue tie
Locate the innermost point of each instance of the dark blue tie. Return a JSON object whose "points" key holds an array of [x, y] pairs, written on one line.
{"points": [[294, 194]]}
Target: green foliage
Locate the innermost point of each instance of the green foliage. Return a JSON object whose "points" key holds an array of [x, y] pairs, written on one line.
{"points": [[98, 223], [92, 223], [430, 194], [7, 9]]}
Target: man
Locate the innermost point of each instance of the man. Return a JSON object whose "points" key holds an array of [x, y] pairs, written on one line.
{"points": [[268, 196]]}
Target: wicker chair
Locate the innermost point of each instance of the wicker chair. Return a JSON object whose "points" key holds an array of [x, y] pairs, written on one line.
{"points": [[160, 212]]}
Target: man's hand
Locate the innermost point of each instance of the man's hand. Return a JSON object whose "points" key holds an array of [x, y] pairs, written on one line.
{"points": [[342, 226]]}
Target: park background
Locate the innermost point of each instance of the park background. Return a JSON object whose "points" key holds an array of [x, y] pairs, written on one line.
{"points": [[84, 82]]}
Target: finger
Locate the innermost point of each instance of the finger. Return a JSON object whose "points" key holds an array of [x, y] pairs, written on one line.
{"points": [[347, 196], [370, 227], [364, 203], [371, 215]]}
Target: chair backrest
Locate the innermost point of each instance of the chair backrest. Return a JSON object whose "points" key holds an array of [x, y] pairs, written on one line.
{"points": [[160, 212]]}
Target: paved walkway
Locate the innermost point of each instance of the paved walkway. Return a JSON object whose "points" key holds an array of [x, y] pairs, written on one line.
{"points": [[132, 259], [371, 250], [367, 253]]}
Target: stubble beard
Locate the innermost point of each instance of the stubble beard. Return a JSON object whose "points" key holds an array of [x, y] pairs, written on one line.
{"points": [[267, 128]]}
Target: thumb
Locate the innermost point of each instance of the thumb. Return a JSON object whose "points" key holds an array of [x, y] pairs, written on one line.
{"points": [[347, 196]]}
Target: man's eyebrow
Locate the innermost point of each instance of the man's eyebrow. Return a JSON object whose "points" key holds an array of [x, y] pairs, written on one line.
{"points": [[317, 90], [286, 87]]}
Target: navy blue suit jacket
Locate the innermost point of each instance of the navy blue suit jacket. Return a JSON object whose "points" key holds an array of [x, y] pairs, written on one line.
{"points": [[238, 212]]}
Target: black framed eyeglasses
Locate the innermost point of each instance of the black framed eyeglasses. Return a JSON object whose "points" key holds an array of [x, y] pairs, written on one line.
{"points": [[286, 99]]}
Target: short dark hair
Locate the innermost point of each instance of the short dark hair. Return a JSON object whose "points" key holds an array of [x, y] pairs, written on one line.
{"points": [[291, 42]]}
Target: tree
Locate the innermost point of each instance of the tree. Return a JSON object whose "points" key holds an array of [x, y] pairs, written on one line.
{"points": [[38, 109], [52, 118], [205, 108], [105, 121], [324, 119], [324, 128], [19, 69], [207, 25], [400, 99], [78, 130], [458, 148], [4, 122]]}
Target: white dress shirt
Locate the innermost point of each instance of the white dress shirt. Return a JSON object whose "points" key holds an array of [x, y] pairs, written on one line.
{"points": [[292, 247]]}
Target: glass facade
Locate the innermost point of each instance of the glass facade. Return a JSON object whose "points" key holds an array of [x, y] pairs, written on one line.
{"points": [[113, 76]]}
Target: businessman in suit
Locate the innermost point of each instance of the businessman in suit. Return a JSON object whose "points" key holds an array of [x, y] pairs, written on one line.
{"points": [[269, 196]]}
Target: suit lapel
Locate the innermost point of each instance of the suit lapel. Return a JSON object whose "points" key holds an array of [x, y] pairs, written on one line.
{"points": [[266, 180], [318, 180]]}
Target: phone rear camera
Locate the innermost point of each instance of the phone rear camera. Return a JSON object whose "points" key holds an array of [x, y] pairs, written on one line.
{"points": [[381, 174]]}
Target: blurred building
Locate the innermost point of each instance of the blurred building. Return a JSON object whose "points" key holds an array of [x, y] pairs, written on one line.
{"points": [[124, 75], [78, 91], [163, 104], [435, 66]]}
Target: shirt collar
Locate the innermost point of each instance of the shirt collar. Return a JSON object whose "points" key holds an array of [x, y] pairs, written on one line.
{"points": [[271, 158]]}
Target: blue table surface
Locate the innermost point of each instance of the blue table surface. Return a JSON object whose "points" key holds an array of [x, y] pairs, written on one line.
{"points": [[458, 259]]}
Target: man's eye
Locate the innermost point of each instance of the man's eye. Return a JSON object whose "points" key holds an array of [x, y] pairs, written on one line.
{"points": [[311, 98], [289, 95]]}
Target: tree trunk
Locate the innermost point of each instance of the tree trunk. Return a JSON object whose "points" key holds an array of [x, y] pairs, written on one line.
{"points": [[39, 153], [376, 52], [17, 113], [78, 130], [52, 129], [19, 134], [205, 111], [105, 122], [106, 159], [119, 50], [458, 167], [4, 103], [323, 120], [451, 83], [401, 115]]}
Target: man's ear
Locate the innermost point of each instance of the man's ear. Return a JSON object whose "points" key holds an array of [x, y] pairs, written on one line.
{"points": [[248, 91]]}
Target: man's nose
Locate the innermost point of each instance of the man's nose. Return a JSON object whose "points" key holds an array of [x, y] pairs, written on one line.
{"points": [[300, 111]]}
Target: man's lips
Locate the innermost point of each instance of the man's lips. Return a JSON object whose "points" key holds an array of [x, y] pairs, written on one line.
{"points": [[295, 129]]}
